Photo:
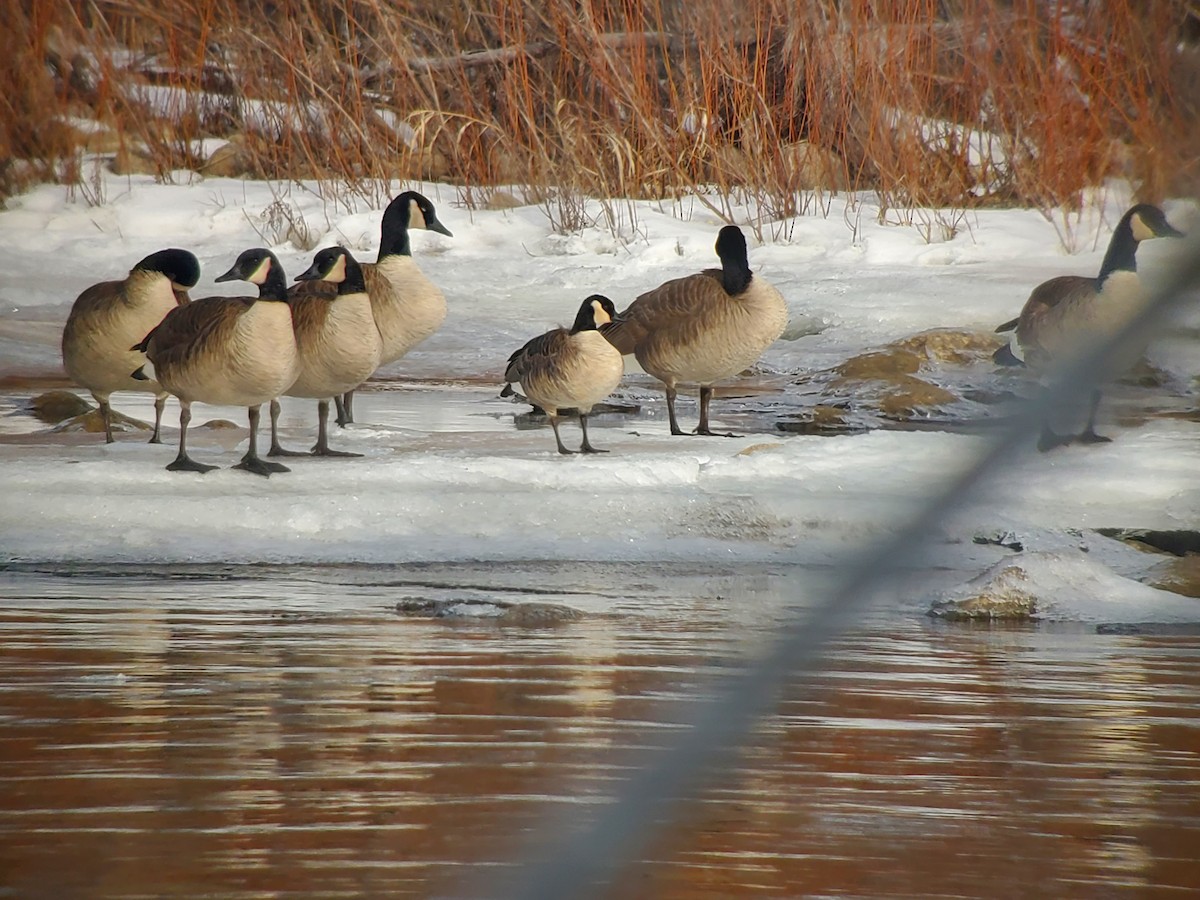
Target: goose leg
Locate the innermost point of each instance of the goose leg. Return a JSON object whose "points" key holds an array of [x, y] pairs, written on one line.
{"points": [[675, 429], [160, 403], [1049, 440], [1089, 435], [345, 408], [183, 462], [557, 439], [586, 447], [702, 428], [276, 449], [252, 462], [322, 446], [105, 416]]}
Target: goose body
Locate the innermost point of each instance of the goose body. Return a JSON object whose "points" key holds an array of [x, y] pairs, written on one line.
{"points": [[572, 368], [109, 318], [702, 328], [338, 342], [1065, 314], [406, 306], [233, 351]]}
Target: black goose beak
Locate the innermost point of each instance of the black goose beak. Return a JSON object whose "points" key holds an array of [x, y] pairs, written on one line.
{"points": [[311, 274], [231, 275], [436, 225], [1169, 230]]}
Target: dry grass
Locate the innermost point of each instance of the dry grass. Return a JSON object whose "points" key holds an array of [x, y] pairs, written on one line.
{"points": [[938, 106]]}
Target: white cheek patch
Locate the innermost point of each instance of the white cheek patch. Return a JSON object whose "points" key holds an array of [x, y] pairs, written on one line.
{"points": [[337, 272], [259, 275], [416, 218], [599, 314], [1141, 231]]}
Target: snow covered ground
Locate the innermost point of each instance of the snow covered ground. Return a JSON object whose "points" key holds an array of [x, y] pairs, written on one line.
{"points": [[447, 474]]}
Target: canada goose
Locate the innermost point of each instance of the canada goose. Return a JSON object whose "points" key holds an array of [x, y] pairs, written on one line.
{"points": [[1064, 314], [336, 335], [108, 318], [574, 368], [236, 351], [702, 328], [406, 305]]}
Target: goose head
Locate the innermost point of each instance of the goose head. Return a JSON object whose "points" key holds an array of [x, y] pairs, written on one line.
{"points": [[338, 266], [408, 210], [180, 267], [596, 310], [735, 263], [259, 266], [1148, 221]]}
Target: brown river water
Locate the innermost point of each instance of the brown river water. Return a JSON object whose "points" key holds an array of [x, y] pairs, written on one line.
{"points": [[285, 732]]}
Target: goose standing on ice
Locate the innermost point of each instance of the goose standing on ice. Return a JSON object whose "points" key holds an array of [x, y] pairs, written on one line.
{"points": [[338, 342], [406, 305], [702, 328], [227, 351], [572, 368], [108, 318], [1063, 315]]}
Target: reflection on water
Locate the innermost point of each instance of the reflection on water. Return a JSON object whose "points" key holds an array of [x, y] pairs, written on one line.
{"points": [[249, 733]]}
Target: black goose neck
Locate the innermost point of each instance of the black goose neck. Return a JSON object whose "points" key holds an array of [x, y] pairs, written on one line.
{"points": [[275, 286], [1121, 255], [353, 283], [393, 230]]}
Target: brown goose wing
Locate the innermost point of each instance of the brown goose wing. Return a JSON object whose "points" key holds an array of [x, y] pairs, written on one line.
{"points": [[537, 356], [1045, 318], [191, 327], [309, 312], [673, 304]]}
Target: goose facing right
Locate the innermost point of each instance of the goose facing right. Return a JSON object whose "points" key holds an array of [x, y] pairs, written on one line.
{"points": [[1063, 315], [234, 351], [570, 368], [702, 328], [109, 318]]}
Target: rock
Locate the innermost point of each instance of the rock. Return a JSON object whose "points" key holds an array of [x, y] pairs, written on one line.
{"points": [[53, 407], [1061, 586], [812, 166], [219, 425], [132, 162], [536, 614], [1002, 593], [502, 200], [949, 345], [879, 364], [92, 422], [758, 448], [1178, 543], [1179, 576], [909, 396], [822, 419], [230, 160], [529, 614]]}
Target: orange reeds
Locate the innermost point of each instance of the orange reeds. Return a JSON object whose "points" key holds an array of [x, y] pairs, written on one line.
{"points": [[767, 106]]}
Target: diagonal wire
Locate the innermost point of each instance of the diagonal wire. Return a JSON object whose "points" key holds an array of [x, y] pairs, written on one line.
{"points": [[590, 857]]}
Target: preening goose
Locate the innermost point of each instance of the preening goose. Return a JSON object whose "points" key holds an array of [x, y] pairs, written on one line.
{"points": [[336, 335], [702, 328], [406, 305], [109, 318], [228, 351], [1063, 315], [570, 368]]}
